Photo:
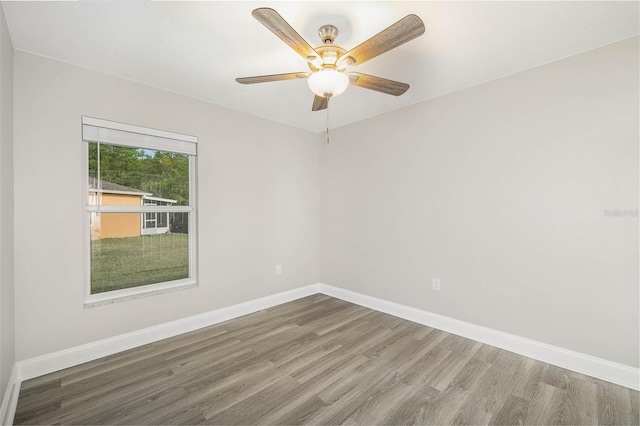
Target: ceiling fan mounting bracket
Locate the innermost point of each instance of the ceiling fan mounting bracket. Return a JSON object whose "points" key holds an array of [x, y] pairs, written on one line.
{"points": [[328, 33]]}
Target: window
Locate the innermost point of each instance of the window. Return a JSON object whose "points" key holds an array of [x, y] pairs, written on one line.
{"points": [[140, 211]]}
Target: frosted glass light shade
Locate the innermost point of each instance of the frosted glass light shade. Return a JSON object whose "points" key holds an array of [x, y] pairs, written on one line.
{"points": [[328, 82]]}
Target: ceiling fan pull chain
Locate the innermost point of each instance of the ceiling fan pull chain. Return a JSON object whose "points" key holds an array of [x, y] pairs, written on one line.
{"points": [[328, 97]]}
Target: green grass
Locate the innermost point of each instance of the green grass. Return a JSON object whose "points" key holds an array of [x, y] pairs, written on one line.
{"points": [[118, 263]]}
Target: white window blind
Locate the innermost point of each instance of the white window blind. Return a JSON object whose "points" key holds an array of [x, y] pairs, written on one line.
{"points": [[111, 132]]}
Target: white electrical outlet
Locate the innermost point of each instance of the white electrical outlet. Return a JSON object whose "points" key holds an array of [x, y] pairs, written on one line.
{"points": [[278, 269], [436, 284]]}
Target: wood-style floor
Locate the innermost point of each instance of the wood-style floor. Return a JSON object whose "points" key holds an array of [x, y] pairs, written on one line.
{"points": [[321, 360]]}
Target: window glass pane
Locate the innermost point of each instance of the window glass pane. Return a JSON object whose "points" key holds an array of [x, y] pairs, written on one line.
{"points": [[134, 177], [124, 254]]}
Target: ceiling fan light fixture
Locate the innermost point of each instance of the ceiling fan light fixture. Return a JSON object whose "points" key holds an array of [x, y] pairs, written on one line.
{"points": [[328, 82]]}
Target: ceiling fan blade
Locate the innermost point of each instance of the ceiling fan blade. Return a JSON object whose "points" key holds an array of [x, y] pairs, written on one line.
{"points": [[277, 25], [272, 77], [320, 103], [406, 29], [379, 84]]}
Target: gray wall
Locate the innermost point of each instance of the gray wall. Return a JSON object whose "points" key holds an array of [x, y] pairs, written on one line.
{"points": [[499, 190], [258, 190], [7, 327]]}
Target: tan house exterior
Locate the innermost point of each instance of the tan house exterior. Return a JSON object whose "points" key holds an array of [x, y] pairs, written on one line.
{"points": [[122, 225]]}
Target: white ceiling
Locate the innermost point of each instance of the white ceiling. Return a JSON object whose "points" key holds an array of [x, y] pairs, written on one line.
{"points": [[199, 48]]}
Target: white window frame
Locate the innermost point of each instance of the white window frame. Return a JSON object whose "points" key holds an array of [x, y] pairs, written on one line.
{"points": [[114, 133]]}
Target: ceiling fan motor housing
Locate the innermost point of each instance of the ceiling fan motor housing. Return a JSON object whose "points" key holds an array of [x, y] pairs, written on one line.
{"points": [[329, 54]]}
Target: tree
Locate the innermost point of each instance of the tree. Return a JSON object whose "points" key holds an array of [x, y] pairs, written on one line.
{"points": [[163, 174]]}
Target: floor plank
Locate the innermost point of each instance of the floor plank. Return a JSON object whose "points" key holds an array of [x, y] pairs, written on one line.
{"points": [[321, 360]]}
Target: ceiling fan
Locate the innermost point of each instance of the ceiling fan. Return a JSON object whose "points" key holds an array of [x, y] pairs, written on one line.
{"points": [[329, 63]]}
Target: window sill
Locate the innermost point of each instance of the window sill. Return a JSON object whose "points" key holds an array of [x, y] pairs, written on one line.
{"points": [[116, 296]]}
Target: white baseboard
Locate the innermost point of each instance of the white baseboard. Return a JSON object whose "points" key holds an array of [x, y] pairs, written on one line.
{"points": [[619, 374], [10, 400], [45, 364]]}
